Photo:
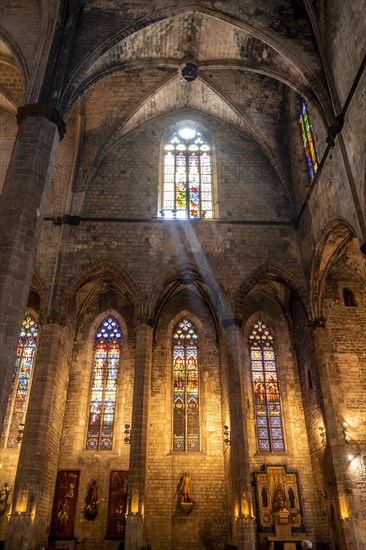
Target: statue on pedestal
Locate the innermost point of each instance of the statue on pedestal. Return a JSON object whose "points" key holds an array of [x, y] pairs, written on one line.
{"points": [[186, 487]]}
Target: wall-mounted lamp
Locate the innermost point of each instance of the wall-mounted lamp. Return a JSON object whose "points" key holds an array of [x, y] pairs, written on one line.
{"points": [[247, 518], [347, 518], [127, 438], [227, 435], [20, 433], [346, 434], [323, 435]]}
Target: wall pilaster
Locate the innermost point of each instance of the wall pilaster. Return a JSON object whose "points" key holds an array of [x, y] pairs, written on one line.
{"points": [[242, 506], [139, 435], [39, 453]]}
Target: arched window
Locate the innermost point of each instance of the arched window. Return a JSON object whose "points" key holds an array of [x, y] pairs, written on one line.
{"points": [[104, 386], [265, 389], [187, 175], [307, 134], [186, 435], [19, 392]]}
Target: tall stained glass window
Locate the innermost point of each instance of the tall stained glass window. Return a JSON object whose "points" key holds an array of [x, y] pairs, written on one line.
{"points": [[187, 175], [104, 386], [185, 388], [265, 389], [20, 385], [308, 139]]}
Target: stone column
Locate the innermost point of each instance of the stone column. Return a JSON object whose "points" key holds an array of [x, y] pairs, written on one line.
{"points": [[22, 204], [339, 484], [243, 531], [139, 437], [39, 453]]}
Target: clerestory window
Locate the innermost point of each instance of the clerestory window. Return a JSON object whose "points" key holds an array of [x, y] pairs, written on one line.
{"points": [[187, 190], [308, 139]]}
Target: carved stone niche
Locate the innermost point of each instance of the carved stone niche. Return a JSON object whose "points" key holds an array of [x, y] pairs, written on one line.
{"points": [[279, 509]]}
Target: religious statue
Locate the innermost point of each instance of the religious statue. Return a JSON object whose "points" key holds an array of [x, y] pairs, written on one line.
{"points": [[186, 487], [291, 496], [279, 500], [90, 510]]}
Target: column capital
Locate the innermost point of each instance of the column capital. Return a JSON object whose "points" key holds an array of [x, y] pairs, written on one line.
{"points": [[234, 322], [52, 320], [146, 321], [318, 322], [45, 111]]}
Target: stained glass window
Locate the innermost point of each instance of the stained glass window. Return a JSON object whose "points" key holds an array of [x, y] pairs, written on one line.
{"points": [[187, 175], [307, 133], [20, 385], [104, 386], [185, 388], [265, 389]]}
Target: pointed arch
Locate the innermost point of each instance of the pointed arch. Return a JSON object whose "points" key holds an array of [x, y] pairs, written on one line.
{"points": [[268, 271], [199, 281], [102, 270], [334, 238]]}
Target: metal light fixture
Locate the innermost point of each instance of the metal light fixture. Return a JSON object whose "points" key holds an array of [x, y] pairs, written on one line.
{"points": [[227, 435], [127, 438]]}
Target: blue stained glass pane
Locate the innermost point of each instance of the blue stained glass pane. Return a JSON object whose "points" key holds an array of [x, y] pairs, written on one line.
{"points": [[263, 445], [278, 445], [262, 421], [263, 433]]}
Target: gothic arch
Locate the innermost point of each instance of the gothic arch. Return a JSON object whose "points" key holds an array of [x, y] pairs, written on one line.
{"points": [[271, 272], [39, 287], [200, 281], [336, 235], [102, 271]]}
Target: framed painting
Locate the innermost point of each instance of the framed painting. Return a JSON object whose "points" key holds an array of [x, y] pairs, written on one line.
{"points": [[117, 505], [64, 505]]}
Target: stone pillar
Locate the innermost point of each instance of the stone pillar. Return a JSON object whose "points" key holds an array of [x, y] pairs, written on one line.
{"points": [[39, 453], [339, 485], [139, 435], [22, 204], [242, 513]]}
